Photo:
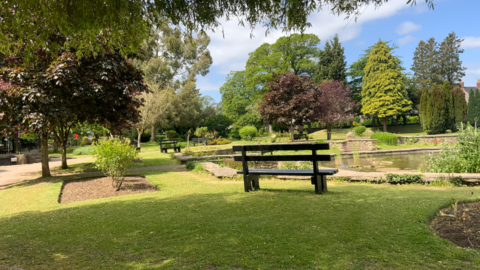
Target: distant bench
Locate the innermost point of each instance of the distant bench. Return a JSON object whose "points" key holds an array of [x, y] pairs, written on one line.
{"points": [[251, 176], [199, 140], [135, 144], [168, 144], [300, 136]]}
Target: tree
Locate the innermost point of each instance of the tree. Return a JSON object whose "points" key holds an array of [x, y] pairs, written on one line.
{"points": [[460, 106], [450, 64], [332, 64], [477, 108], [289, 101], [219, 123], [425, 64], [436, 111], [235, 97], [449, 106], [332, 104], [104, 89], [383, 89], [472, 107], [295, 53], [356, 72], [424, 108]]}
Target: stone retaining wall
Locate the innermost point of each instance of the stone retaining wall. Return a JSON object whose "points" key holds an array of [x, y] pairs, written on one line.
{"points": [[430, 139], [352, 145]]}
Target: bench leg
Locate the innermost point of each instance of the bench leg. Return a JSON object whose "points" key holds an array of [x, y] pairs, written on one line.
{"points": [[320, 182], [251, 182]]}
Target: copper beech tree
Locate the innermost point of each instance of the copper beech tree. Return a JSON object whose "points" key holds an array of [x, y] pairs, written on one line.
{"points": [[289, 101], [333, 104]]}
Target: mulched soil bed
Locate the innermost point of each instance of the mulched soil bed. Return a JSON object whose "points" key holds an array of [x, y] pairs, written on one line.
{"points": [[96, 188], [463, 233]]}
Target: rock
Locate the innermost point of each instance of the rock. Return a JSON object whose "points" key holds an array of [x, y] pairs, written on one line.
{"points": [[350, 136]]}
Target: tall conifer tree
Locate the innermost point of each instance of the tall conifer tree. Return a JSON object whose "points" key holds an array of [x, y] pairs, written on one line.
{"points": [[449, 108], [476, 113], [436, 112], [460, 105], [383, 90], [332, 64], [471, 107], [449, 62], [424, 107]]}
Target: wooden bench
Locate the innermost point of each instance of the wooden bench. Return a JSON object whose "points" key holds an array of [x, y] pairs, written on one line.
{"points": [[168, 144], [199, 140], [135, 144], [251, 176], [299, 136]]}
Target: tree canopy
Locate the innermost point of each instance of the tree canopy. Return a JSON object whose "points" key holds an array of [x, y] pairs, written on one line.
{"points": [[29, 25], [332, 64]]}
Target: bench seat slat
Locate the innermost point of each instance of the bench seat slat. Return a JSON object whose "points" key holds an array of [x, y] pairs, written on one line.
{"points": [[288, 172], [283, 147], [285, 158]]}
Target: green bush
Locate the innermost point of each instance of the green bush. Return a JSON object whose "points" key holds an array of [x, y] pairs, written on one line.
{"points": [[113, 157], [234, 132], [359, 130], [85, 141], [367, 122], [412, 120], [190, 165], [385, 138], [82, 151], [75, 142], [404, 178], [201, 132], [248, 133], [219, 141], [145, 137], [160, 137], [170, 134]]}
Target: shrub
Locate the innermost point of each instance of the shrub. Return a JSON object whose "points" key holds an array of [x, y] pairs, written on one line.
{"points": [[367, 122], [190, 165], [75, 142], [385, 138], [248, 133], [412, 119], [201, 132], [448, 131], [160, 137], [113, 157], [170, 134], [404, 179], [82, 151], [85, 141], [145, 137], [359, 130], [234, 132]]}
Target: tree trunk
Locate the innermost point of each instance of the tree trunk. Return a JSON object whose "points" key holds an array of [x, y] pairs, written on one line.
{"points": [[384, 124], [138, 139], [329, 134], [55, 145], [153, 138], [44, 150], [292, 131], [16, 144], [188, 141], [404, 120], [64, 155]]}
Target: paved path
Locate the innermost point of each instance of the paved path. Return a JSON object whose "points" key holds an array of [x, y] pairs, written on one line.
{"points": [[17, 173]]}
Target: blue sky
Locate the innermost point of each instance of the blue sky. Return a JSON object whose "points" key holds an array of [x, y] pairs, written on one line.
{"points": [[402, 24]]}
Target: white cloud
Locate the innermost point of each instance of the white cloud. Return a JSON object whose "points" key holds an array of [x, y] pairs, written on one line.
{"points": [[407, 27], [231, 52], [472, 74], [206, 86], [471, 42], [406, 39]]}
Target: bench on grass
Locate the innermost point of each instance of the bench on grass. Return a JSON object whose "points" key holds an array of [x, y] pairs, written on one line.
{"points": [[135, 144], [168, 144], [300, 136], [199, 140], [251, 176]]}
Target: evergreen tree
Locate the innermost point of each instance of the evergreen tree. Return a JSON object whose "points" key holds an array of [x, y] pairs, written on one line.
{"points": [[476, 113], [449, 108], [424, 106], [449, 59], [436, 111], [332, 64], [425, 64], [383, 90], [471, 107], [460, 105]]}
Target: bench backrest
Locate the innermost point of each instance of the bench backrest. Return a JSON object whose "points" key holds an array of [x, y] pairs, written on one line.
{"points": [[282, 147], [167, 143]]}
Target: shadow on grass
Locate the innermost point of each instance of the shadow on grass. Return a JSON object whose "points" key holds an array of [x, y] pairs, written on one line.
{"points": [[233, 230]]}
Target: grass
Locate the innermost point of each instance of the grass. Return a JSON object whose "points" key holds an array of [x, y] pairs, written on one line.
{"points": [[198, 222]]}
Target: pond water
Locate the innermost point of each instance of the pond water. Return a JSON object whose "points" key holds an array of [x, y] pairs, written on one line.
{"points": [[382, 163]]}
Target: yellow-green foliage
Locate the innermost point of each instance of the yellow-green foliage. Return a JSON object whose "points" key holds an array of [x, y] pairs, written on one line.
{"points": [[383, 91]]}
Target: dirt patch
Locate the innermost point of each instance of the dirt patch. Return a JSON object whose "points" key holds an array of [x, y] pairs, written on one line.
{"points": [[464, 233], [96, 188]]}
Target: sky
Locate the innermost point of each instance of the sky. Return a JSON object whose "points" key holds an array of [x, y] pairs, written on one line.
{"points": [[402, 24]]}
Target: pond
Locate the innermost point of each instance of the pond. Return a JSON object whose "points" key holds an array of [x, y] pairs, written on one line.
{"points": [[382, 163]]}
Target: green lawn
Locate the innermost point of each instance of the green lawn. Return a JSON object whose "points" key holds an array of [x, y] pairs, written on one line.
{"points": [[199, 222]]}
